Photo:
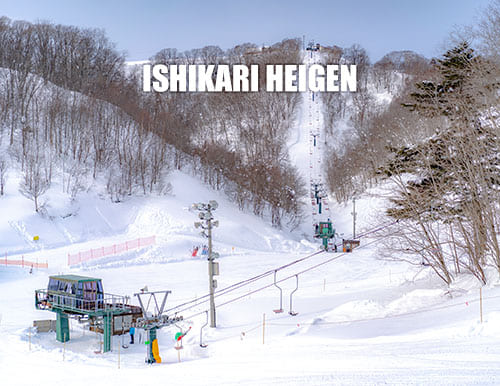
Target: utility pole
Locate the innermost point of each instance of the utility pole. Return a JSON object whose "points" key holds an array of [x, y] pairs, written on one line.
{"points": [[353, 218], [211, 282], [207, 223]]}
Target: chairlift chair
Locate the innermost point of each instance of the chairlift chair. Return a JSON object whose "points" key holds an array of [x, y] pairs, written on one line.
{"points": [[279, 310], [291, 312], [203, 345]]}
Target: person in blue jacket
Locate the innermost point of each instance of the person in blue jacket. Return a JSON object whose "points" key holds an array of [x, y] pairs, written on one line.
{"points": [[132, 332]]}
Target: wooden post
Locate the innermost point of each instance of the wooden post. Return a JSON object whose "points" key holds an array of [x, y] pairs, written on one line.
{"points": [[263, 327], [119, 355], [481, 303], [99, 348]]}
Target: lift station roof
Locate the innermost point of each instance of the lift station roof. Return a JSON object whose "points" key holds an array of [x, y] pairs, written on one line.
{"points": [[73, 278]]}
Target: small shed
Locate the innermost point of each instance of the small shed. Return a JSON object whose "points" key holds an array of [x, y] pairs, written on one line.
{"points": [[349, 245]]}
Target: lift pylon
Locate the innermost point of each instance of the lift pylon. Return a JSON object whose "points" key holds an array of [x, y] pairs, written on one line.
{"points": [[154, 320]]}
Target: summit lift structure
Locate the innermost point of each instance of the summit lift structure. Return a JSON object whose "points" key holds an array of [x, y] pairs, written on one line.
{"points": [[83, 298], [324, 230]]}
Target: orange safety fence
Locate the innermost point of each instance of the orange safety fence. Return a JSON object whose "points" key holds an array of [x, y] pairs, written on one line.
{"points": [[115, 249], [23, 263]]}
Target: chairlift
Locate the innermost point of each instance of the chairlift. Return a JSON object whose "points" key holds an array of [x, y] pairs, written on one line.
{"points": [[280, 310], [203, 345], [291, 312], [124, 345]]}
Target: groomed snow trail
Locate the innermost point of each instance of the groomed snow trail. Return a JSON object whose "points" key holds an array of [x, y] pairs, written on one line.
{"points": [[307, 151]]}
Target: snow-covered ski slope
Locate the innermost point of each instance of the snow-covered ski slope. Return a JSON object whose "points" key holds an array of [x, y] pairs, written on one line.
{"points": [[360, 319], [306, 150]]}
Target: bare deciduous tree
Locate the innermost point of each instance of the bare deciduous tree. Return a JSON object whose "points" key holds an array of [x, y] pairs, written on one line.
{"points": [[3, 174], [36, 176]]}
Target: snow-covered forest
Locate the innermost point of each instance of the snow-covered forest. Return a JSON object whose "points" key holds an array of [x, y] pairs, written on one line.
{"points": [[408, 166], [71, 105]]}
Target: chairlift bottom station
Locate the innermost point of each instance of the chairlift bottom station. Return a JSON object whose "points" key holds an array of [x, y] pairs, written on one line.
{"points": [[83, 298]]}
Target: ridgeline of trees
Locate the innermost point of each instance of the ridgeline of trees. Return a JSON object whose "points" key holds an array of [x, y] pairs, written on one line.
{"points": [[70, 105]]}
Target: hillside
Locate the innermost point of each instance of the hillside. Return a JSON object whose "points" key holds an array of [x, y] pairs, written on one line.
{"points": [[362, 319]]}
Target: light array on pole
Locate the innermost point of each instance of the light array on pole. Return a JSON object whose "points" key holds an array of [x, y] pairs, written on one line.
{"points": [[206, 224]]}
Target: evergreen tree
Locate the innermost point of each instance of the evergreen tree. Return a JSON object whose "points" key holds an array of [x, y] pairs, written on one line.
{"points": [[454, 174], [433, 98]]}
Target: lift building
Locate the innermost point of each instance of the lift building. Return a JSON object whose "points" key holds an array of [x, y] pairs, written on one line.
{"points": [[81, 297]]}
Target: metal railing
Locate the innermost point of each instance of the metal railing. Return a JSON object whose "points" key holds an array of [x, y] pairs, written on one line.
{"points": [[104, 303]]}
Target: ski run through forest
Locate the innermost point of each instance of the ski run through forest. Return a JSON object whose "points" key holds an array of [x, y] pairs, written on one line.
{"points": [[96, 168]]}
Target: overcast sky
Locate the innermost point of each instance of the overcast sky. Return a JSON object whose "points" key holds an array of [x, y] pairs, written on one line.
{"points": [[141, 28]]}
